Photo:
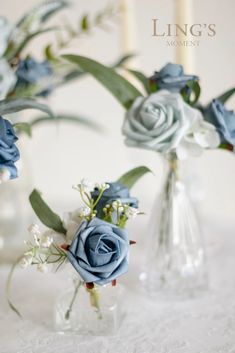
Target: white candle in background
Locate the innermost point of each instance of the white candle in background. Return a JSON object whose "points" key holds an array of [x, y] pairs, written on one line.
{"points": [[184, 14], [128, 28]]}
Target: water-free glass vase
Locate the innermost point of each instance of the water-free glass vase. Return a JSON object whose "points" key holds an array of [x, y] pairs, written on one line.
{"points": [[175, 259], [97, 311]]}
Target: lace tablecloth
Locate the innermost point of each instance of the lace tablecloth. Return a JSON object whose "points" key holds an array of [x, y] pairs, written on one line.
{"points": [[202, 325]]}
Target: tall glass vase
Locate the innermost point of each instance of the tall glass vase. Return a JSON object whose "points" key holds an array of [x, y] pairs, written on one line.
{"points": [[175, 258], [16, 214]]}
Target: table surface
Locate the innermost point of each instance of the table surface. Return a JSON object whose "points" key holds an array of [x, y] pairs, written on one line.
{"points": [[202, 325]]}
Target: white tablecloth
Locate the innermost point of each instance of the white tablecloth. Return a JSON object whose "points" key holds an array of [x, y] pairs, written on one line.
{"points": [[202, 325]]}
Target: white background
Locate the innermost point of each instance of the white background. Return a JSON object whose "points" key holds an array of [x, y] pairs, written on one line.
{"points": [[61, 155]]}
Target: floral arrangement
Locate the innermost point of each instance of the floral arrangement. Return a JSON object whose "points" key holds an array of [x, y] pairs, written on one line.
{"points": [[9, 153], [164, 114], [25, 76], [24, 80], [93, 238], [168, 117]]}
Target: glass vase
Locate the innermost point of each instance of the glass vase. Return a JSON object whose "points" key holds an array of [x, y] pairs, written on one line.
{"points": [[174, 265], [16, 214], [95, 311]]}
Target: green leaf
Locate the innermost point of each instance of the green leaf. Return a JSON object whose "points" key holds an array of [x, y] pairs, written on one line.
{"points": [[85, 23], [48, 53], [72, 76], [45, 214], [195, 92], [23, 127], [67, 118], [123, 60], [133, 175], [122, 89], [15, 51], [8, 106], [41, 13], [76, 74], [142, 78], [225, 96]]}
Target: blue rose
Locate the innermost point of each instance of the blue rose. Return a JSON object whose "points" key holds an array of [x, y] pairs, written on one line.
{"points": [[9, 153], [223, 120], [31, 72], [99, 251], [172, 78], [116, 191]]}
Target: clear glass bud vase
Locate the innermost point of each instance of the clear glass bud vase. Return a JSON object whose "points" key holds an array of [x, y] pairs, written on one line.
{"points": [[175, 258], [95, 311]]}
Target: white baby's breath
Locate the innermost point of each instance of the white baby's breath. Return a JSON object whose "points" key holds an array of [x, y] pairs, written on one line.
{"points": [[46, 240], [87, 185], [34, 229], [42, 267], [84, 211], [103, 186], [26, 261], [131, 212]]}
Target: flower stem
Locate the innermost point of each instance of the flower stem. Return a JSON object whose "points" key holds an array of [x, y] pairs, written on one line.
{"points": [[94, 300], [67, 314]]}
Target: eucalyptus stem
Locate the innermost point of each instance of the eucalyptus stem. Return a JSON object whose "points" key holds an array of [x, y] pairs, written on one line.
{"points": [[67, 314], [171, 174]]}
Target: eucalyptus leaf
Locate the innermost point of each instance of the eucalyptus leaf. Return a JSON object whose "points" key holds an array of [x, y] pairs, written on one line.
{"points": [[45, 214], [122, 89], [23, 127], [123, 60], [72, 75], [41, 13], [85, 23], [225, 96], [133, 175], [15, 51], [142, 78], [48, 53], [76, 74], [9, 106]]}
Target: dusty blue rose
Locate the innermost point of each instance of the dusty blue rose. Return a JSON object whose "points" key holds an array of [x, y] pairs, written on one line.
{"points": [[116, 191], [172, 78], [31, 72], [99, 251], [159, 122], [9, 153], [223, 120]]}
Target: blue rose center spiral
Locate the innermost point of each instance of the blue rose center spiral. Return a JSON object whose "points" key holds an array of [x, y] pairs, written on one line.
{"points": [[105, 249]]}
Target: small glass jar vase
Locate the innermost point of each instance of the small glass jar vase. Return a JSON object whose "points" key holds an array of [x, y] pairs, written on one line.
{"points": [[95, 311], [175, 260]]}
